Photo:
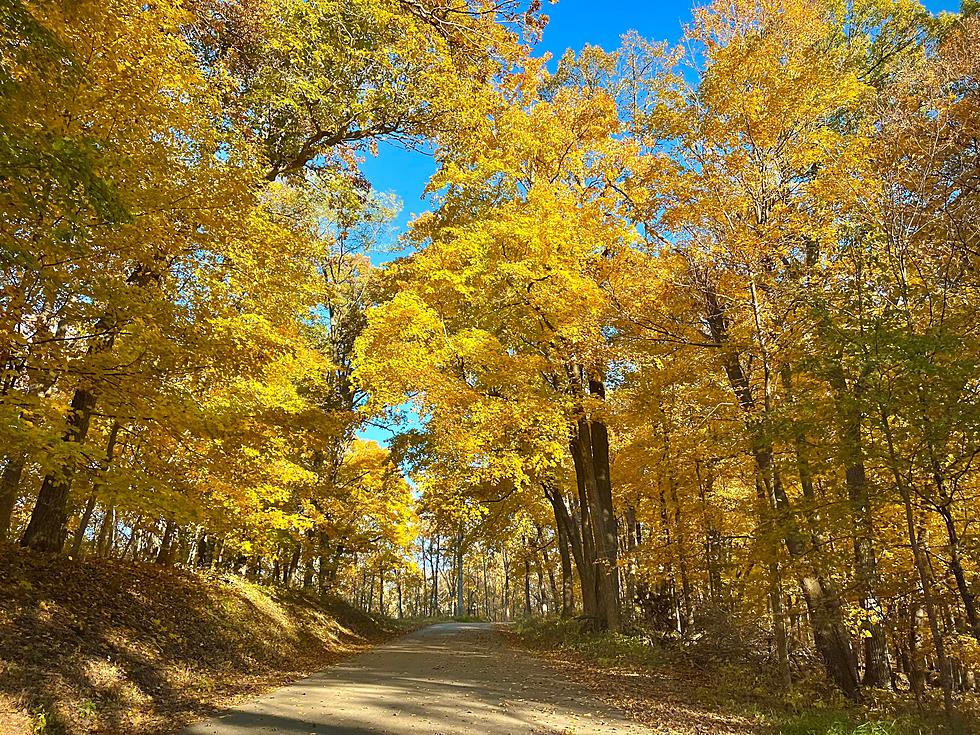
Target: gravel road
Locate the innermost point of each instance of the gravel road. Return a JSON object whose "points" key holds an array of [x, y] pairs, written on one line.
{"points": [[446, 679]]}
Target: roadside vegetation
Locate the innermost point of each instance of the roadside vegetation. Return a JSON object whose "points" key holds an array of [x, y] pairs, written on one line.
{"points": [[114, 647], [695, 686], [685, 344]]}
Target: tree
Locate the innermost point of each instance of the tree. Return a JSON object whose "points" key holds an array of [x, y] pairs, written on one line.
{"points": [[498, 324]]}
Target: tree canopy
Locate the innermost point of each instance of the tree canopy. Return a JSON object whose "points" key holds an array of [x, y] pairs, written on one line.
{"points": [[689, 331]]}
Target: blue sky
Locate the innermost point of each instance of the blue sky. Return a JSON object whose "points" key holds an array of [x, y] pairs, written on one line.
{"points": [[573, 24]]}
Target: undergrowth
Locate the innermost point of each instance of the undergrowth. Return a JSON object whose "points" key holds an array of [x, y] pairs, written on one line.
{"points": [[745, 696]]}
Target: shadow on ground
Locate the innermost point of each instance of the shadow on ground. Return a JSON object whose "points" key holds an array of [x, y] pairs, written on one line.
{"points": [[113, 647], [451, 678]]}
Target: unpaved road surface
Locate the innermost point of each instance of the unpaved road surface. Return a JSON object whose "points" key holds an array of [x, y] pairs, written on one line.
{"points": [[447, 679]]}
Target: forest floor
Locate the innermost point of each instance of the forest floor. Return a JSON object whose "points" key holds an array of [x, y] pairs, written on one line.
{"points": [[109, 647], [674, 692], [95, 647]]}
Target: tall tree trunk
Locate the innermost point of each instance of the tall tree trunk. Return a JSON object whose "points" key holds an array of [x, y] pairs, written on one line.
{"points": [[779, 625], [46, 529], [823, 603], [712, 539], [967, 595], [435, 576], [877, 672], [681, 546], [398, 591], [669, 582], [133, 531], [921, 567], [556, 596], [591, 445], [293, 564], [570, 548], [506, 589], [13, 470], [486, 589], [110, 455], [916, 668], [539, 572], [106, 529], [527, 583], [460, 604], [423, 590], [83, 523], [579, 536], [165, 554], [309, 556], [609, 548], [204, 551], [629, 576], [323, 562]]}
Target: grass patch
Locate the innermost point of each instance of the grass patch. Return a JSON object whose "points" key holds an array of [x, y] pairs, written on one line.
{"points": [[844, 723], [467, 619], [607, 649]]}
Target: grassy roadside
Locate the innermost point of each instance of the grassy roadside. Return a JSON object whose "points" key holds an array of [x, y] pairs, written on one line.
{"points": [[675, 692], [105, 647]]}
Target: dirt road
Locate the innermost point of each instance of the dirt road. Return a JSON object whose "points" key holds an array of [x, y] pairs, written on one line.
{"points": [[447, 679]]}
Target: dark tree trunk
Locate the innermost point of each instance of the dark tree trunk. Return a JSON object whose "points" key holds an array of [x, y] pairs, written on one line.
{"points": [[569, 546], [822, 600], [107, 530], [293, 565], [133, 534], [9, 488], [309, 554], [110, 455], [556, 597], [435, 576], [46, 529], [527, 584], [591, 445], [877, 672], [83, 522], [203, 550], [323, 562], [460, 603], [505, 593], [583, 541], [823, 603], [608, 550], [687, 620], [956, 566], [165, 554]]}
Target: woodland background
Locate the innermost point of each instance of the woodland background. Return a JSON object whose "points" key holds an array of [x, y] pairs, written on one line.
{"points": [[689, 335]]}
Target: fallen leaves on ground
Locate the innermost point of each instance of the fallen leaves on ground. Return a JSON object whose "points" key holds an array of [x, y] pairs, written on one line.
{"points": [[105, 647]]}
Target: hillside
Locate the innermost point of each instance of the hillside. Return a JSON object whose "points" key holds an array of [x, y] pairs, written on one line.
{"points": [[97, 646]]}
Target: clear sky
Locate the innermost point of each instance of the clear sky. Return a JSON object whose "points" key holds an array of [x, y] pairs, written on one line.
{"points": [[573, 24]]}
